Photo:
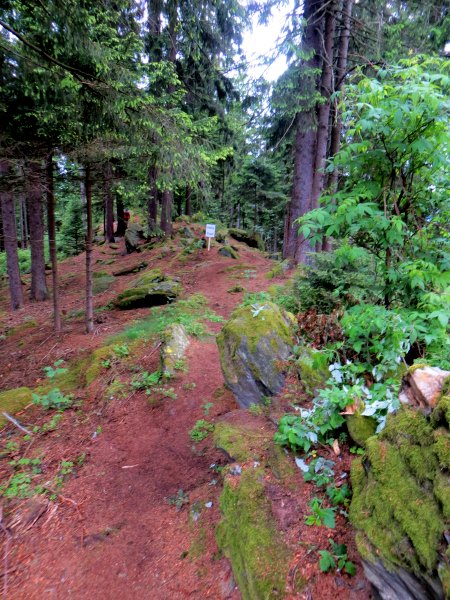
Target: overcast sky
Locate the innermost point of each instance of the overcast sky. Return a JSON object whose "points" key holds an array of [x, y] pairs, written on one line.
{"points": [[262, 42]]}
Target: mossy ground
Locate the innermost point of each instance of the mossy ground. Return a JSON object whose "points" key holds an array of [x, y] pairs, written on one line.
{"points": [[247, 535], [11, 401], [400, 491]]}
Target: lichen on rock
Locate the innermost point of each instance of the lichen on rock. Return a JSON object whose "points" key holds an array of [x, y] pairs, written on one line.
{"points": [[252, 346], [175, 343]]}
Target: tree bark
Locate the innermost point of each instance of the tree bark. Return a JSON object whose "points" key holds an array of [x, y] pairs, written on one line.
{"points": [[10, 237], [336, 122], [166, 212], [39, 289], [188, 205], [89, 318], [152, 206], [121, 224], [323, 116], [2, 235], [109, 203], [52, 241], [295, 247]]}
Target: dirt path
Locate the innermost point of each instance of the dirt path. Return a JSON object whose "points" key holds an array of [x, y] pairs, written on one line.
{"points": [[123, 539], [137, 514]]}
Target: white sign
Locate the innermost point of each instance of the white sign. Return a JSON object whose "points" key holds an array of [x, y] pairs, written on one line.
{"points": [[210, 231]]}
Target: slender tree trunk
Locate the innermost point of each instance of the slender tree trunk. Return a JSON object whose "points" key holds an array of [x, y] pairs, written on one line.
{"points": [[188, 205], [10, 236], [2, 235], [24, 213], [336, 122], [166, 212], [179, 202], [295, 247], [109, 204], [39, 289], [52, 241], [89, 319], [121, 224], [152, 206]]}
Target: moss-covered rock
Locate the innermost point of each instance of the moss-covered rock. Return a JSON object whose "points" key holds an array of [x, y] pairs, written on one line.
{"points": [[151, 289], [11, 401], [253, 240], [229, 252], [241, 442], [252, 346], [360, 428], [134, 268], [312, 367], [134, 234], [101, 282], [248, 536], [175, 343], [400, 502]]}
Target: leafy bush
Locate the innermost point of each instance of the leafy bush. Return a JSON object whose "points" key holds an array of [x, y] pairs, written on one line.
{"points": [[336, 559], [54, 399], [201, 430], [344, 277]]}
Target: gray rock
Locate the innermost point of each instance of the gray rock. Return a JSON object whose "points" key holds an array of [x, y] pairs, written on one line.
{"points": [[252, 345], [398, 584], [131, 269], [133, 236], [151, 294], [174, 347]]}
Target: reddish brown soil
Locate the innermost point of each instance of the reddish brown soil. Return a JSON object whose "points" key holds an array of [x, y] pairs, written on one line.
{"points": [[112, 533]]}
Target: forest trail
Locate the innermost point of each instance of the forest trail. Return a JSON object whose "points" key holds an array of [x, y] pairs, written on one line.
{"points": [[123, 539], [136, 514]]}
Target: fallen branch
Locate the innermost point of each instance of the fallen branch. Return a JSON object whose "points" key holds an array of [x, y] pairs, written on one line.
{"points": [[16, 423]]}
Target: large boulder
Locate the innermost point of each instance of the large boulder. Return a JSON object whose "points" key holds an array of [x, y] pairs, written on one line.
{"points": [[175, 343], [134, 234], [253, 240], [401, 504], [252, 346], [151, 289], [135, 268]]}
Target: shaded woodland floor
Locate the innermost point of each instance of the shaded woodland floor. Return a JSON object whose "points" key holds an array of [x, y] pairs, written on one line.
{"points": [[113, 531]]}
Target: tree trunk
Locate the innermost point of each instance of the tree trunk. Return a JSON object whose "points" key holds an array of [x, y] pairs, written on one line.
{"points": [[188, 205], [121, 224], [109, 204], [2, 235], [166, 212], [52, 241], [152, 206], [336, 123], [89, 318], [295, 247], [39, 289], [323, 116], [10, 237], [24, 212]]}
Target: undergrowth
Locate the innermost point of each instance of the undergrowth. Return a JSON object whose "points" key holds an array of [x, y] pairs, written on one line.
{"points": [[191, 313]]}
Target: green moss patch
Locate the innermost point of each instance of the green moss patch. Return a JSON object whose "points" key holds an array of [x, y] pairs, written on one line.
{"points": [[247, 535], [360, 428], [400, 492], [240, 442], [12, 401]]}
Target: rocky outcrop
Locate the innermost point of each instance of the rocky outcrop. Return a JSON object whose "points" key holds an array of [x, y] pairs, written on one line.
{"points": [[253, 240], [134, 235], [175, 343], [312, 368], [135, 268], [401, 504], [252, 346], [229, 252], [422, 386], [151, 289]]}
